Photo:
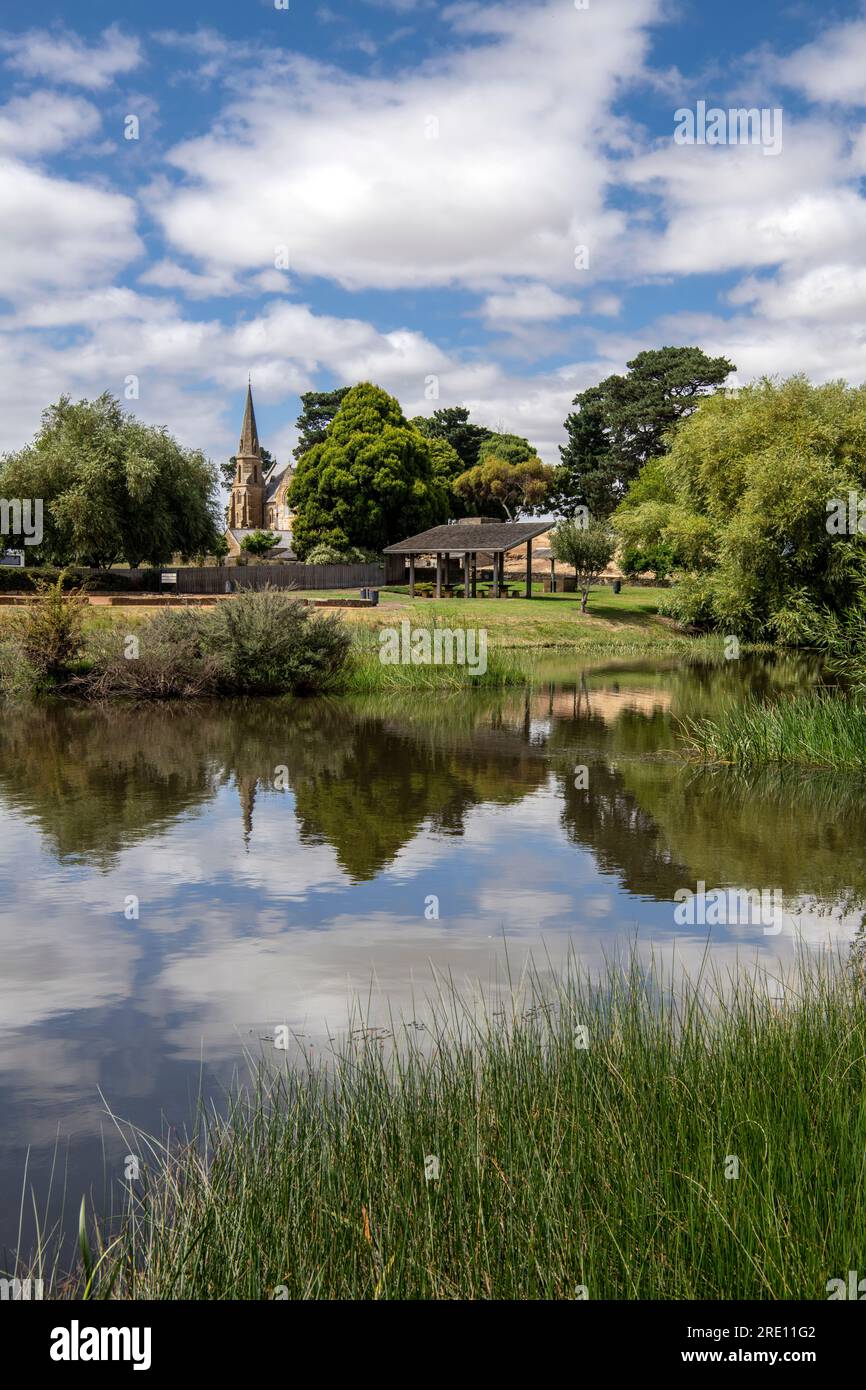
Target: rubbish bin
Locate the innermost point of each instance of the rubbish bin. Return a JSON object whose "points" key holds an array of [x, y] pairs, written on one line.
{"points": [[617, 586], [374, 597], [365, 593]]}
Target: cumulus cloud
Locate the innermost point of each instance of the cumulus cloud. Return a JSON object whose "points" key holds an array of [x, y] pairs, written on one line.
{"points": [[457, 173], [63, 57], [45, 122], [60, 233], [832, 68], [535, 302]]}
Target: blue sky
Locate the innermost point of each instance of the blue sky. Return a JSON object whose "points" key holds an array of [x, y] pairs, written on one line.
{"points": [[393, 190]]}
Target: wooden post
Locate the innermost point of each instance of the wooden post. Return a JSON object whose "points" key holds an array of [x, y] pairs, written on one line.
{"points": [[495, 575], [411, 576], [552, 575], [475, 574], [438, 574], [529, 569], [467, 580]]}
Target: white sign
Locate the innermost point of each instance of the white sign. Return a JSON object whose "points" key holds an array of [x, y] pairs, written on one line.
{"points": [[13, 559], [169, 578]]}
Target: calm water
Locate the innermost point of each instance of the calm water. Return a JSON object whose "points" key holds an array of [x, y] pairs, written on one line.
{"points": [[263, 904]]}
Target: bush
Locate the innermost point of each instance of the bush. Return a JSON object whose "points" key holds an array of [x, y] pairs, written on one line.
{"points": [[268, 643], [163, 659], [45, 638], [658, 560], [260, 543], [325, 554], [690, 602]]}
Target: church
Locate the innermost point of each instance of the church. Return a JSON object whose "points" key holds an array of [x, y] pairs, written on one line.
{"points": [[259, 498]]}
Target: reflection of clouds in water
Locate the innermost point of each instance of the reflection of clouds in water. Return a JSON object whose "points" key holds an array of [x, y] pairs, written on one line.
{"points": [[59, 951]]}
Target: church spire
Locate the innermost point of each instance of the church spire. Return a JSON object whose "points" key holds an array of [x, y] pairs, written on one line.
{"points": [[249, 441]]}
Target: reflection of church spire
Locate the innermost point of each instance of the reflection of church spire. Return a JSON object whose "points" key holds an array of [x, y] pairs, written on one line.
{"points": [[247, 793]]}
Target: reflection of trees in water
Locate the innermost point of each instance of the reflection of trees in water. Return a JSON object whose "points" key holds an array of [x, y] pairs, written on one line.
{"points": [[390, 785], [367, 774], [803, 834], [98, 780], [661, 824], [96, 783]]}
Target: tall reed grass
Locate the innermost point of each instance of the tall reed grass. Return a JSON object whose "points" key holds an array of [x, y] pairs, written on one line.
{"points": [[822, 729], [587, 1136]]}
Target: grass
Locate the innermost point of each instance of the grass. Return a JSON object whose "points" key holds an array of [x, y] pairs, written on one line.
{"points": [[625, 622], [607, 1167], [368, 674], [817, 729]]}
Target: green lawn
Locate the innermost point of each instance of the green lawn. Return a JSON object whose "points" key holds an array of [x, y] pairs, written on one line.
{"points": [[621, 624]]}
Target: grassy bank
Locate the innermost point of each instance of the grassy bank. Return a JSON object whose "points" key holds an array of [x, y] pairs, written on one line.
{"points": [[269, 643], [625, 622], [818, 729], [608, 1167]]}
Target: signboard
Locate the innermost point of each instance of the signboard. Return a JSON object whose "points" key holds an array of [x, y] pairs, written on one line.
{"points": [[169, 577], [13, 559]]}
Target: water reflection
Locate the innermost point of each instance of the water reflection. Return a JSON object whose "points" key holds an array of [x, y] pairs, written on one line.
{"points": [[281, 854]]}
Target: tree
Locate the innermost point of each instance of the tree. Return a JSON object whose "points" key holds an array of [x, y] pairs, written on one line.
{"points": [[228, 470], [260, 542], [369, 482], [113, 489], [748, 496], [511, 448], [452, 424], [319, 409], [588, 549], [515, 487], [587, 476], [447, 467], [626, 420]]}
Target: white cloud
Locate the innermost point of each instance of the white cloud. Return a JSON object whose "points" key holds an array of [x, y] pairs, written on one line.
{"points": [[461, 172], [44, 123], [832, 69], [63, 57], [535, 302], [59, 233]]}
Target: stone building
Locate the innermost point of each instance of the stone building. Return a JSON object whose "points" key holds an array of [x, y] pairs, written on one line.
{"points": [[258, 499]]}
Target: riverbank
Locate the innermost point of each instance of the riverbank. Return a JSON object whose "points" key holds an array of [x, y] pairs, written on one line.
{"points": [[278, 642], [614, 1140]]}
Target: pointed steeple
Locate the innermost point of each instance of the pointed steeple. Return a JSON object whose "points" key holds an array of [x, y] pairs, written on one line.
{"points": [[249, 441]]}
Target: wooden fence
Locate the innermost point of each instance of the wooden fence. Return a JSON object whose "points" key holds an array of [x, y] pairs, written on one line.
{"points": [[214, 579]]}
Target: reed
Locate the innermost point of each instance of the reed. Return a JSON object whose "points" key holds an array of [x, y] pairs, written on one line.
{"points": [[607, 1167], [818, 729]]}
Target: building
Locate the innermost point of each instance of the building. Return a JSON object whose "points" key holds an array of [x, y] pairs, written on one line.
{"points": [[259, 499]]}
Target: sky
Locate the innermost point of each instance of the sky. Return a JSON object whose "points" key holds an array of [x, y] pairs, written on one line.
{"points": [[486, 205]]}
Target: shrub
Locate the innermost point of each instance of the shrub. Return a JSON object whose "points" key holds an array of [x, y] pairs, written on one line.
{"points": [[163, 659], [325, 554], [46, 637], [657, 559], [267, 642], [260, 542], [690, 602]]}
